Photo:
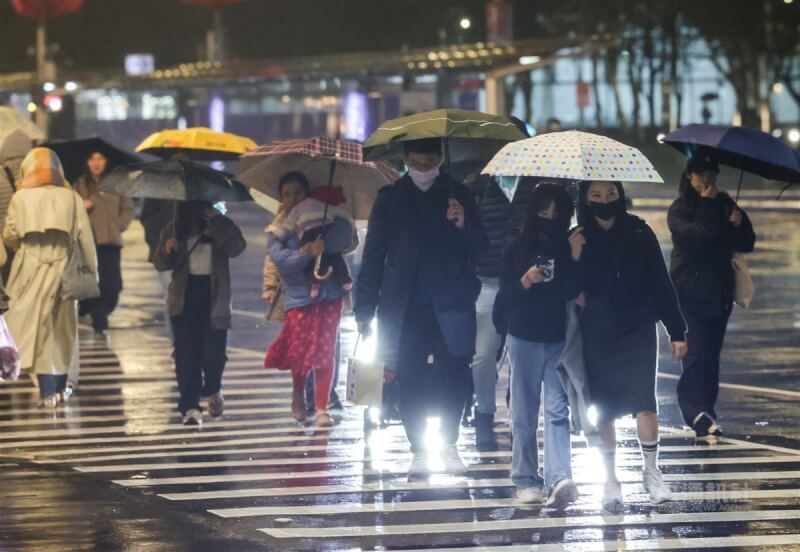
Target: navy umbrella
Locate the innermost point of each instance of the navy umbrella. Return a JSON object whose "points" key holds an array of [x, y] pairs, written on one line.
{"points": [[743, 148]]}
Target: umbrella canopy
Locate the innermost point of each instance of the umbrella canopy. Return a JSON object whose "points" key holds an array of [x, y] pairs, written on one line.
{"points": [[42, 10], [74, 153], [359, 180], [11, 119], [470, 134], [572, 155], [174, 180], [198, 143], [747, 149]]}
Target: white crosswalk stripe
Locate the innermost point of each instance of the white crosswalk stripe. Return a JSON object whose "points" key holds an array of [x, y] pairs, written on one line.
{"points": [[301, 484]]}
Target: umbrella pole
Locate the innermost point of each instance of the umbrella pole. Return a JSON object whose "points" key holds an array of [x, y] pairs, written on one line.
{"points": [[739, 187], [318, 262], [447, 164]]}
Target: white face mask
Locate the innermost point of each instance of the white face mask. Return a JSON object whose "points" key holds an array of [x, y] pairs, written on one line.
{"points": [[423, 179]]}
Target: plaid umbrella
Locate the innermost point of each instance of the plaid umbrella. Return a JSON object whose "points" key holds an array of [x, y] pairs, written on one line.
{"points": [[325, 162]]}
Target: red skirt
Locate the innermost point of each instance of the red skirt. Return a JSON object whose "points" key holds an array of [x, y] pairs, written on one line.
{"points": [[307, 340]]}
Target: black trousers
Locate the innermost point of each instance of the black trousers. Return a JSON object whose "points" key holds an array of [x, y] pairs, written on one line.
{"points": [[200, 350], [431, 382], [698, 386], [109, 272]]}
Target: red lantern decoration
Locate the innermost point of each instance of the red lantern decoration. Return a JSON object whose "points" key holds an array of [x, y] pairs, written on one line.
{"points": [[216, 4], [42, 10]]}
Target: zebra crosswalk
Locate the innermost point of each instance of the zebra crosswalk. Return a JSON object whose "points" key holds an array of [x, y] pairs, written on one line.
{"points": [[293, 487]]}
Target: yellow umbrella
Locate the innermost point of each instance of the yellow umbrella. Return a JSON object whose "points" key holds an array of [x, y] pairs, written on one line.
{"points": [[198, 143]]}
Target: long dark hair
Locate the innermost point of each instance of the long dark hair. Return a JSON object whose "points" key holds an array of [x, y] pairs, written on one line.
{"points": [[543, 195], [189, 217], [585, 216]]}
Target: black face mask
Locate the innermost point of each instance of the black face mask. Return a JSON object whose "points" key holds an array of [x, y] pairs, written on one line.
{"points": [[547, 227], [606, 211]]}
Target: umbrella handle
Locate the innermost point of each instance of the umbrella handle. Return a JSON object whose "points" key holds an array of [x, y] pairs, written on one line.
{"points": [[318, 266]]}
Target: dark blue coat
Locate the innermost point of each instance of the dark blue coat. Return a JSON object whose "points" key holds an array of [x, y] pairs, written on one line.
{"points": [[386, 282]]}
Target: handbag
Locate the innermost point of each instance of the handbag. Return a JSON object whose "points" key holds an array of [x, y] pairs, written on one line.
{"points": [[78, 282], [743, 288], [10, 360], [364, 381]]}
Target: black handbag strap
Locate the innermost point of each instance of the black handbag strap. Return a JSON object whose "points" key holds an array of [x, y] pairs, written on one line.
{"points": [[185, 258]]}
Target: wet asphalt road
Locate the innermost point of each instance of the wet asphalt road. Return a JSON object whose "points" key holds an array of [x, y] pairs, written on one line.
{"points": [[114, 470]]}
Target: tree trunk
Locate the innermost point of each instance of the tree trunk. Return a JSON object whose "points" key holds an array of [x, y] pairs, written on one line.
{"points": [[612, 65], [598, 111]]}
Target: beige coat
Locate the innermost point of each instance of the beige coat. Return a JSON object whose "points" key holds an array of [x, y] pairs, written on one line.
{"points": [[110, 215], [39, 227], [272, 287]]}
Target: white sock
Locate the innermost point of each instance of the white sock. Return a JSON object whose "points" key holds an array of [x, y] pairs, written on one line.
{"points": [[649, 454], [609, 462]]}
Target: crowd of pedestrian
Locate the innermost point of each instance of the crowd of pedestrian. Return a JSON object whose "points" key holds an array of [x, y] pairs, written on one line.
{"points": [[457, 276]]}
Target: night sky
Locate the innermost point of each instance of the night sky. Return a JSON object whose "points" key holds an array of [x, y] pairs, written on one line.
{"points": [[105, 30]]}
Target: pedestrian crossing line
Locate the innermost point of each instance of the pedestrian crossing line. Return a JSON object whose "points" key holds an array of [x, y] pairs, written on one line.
{"points": [[227, 382], [358, 471], [83, 460], [170, 377], [166, 407], [190, 433], [163, 365], [579, 458], [749, 388], [282, 424], [731, 440], [669, 543], [587, 492], [156, 391], [442, 482], [172, 417], [180, 446], [571, 522]]}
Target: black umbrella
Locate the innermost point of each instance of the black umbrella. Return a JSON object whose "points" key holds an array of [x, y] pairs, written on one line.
{"points": [[74, 154], [174, 180], [746, 149]]}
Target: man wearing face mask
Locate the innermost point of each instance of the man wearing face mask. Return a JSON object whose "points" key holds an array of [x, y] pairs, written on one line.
{"points": [[417, 275]]}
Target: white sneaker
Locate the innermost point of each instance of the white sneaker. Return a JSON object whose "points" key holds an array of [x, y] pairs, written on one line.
{"points": [[612, 498], [452, 461], [654, 484], [419, 466], [564, 493], [193, 418], [530, 495]]}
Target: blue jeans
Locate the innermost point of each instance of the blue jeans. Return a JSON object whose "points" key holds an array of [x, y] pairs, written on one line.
{"points": [[532, 365], [484, 364]]}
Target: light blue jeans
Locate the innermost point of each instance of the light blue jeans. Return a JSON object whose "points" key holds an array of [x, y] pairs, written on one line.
{"points": [[533, 366], [484, 364]]}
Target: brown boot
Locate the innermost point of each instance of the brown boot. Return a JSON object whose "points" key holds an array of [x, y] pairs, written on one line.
{"points": [[299, 406], [324, 420]]}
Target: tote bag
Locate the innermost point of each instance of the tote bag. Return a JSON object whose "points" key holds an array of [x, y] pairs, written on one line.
{"points": [[743, 289], [78, 282], [364, 381]]}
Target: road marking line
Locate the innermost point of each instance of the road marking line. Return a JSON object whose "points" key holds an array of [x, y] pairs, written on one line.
{"points": [[749, 388]]}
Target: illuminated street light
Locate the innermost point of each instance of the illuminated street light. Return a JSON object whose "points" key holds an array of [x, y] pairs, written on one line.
{"points": [[32, 107], [794, 136], [529, 60], [465, 23], [777, 88], [71, 86], [49, 87]]}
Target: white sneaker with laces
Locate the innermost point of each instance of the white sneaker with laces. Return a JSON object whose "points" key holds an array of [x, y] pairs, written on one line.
{"points": [[563, 493], [193, 417], [654, 484], [612, 498], [419, 466], [530, 495], [452, 461]]}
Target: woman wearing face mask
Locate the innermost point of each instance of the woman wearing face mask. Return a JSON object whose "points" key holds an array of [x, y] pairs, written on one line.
{"points": [[627, 290], [707, 228], [110, 215], [540, 274]]}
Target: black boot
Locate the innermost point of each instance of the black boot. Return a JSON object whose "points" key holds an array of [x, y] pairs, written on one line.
{"points": [[485, 440]]}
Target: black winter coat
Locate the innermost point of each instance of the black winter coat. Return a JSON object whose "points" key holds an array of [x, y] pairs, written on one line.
{"points": [[704, 241], [626, 277], [387, 279]]}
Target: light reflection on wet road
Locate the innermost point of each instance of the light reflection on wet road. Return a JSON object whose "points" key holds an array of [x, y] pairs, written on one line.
{"points": [[115, 471]]}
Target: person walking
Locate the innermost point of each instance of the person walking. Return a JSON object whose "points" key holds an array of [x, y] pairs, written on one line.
{"points": [[498, 216], [308, 338], [708, 228], [45, 219], [110, 215], [540, 274], [417, 275], [627, 290], [196, 248], [156, 214], [14, 146]]}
